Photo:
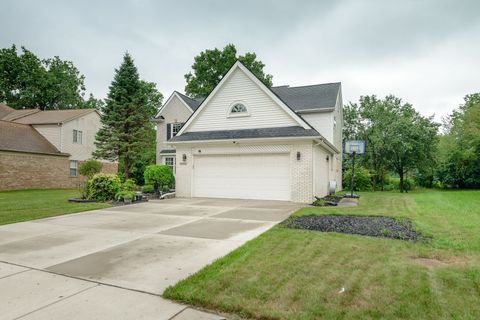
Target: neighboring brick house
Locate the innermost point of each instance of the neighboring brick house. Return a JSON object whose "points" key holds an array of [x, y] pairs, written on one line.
{"points": [[43, 149], [248, 141]]}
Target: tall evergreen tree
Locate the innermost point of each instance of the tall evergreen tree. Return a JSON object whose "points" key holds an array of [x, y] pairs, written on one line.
{"points": [[125, 117]]}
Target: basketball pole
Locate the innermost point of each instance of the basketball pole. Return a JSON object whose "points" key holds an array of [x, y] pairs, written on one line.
{"points": [[353, 174]]}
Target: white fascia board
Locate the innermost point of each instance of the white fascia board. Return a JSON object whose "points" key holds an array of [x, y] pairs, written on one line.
{"points": [[274, 97], [166, 104], [323, 110], [327, 145], [252, 77]]}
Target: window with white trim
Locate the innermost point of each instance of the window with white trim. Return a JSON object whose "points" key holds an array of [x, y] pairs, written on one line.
{"points": [[170, 161], [238, 108], [173, 129], [73, 168], [77, 136]]}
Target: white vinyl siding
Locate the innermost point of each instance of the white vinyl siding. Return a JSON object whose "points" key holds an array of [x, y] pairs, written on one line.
{"points": [[248, 176], [322, 122], [263, 111], [88, 125], [52, 132]]}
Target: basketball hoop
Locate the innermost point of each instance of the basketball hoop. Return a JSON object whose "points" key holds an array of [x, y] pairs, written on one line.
{"points": [[354, 147]]}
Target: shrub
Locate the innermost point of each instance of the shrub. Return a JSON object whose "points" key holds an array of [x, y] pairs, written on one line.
{"points": [[318, 203], [125, 195], [89, 168], [129, 185], [148, 188], [160, 176], [362, 180], [103, 187]]}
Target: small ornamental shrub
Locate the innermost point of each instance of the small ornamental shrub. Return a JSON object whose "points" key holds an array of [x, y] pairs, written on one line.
{"points": [[361, 182], [319, 203], [125, 195], [148, 188], [129, 185], [160, 176], [89, 168], [103, 187]]}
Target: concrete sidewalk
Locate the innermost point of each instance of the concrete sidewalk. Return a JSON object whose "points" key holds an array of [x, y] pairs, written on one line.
{"points": [[115, 263]]}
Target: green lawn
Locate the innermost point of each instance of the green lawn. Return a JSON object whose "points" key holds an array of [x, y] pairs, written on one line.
{"points": [[24, 205], [298, 274]]}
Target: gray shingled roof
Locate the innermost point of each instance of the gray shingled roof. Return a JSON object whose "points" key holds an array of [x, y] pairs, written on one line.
{"points": [[314, 97], [53, 116], [24, 138], [193, 103], [294, 131], [318, 97]]}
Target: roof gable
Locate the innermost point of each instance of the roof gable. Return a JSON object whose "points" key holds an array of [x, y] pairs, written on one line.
{"points": [[175, 97], [265, 109], [23, 138]]}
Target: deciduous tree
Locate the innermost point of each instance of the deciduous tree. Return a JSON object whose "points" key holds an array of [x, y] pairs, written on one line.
{"points": [[211, 65], [29, 82]]}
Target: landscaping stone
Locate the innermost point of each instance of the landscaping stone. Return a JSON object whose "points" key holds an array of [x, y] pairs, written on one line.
{"points": [[368, 226]]}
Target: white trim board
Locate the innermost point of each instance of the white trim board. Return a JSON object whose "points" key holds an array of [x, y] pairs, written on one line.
{"points": [[251, 76], [166, 104]]}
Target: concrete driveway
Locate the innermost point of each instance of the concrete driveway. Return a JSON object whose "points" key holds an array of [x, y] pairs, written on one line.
{"points": [[114, 263]]}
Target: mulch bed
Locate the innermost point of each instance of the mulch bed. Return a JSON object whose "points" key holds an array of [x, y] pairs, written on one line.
{"points": [[384, 227]]}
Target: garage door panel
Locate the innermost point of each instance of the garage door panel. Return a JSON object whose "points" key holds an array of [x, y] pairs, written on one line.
{"points": [[242, 176]]}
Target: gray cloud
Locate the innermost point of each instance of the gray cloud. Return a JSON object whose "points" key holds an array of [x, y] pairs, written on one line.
{"points": [[423, 51]]}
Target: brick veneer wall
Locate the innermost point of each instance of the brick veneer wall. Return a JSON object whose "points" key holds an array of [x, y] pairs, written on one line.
{"points": [[20, 170]]}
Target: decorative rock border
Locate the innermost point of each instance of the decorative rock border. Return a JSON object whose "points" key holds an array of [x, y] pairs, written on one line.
{"points": [[385, 227]]}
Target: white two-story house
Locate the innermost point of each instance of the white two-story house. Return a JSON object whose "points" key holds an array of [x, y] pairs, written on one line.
{"points": [[248, 141]]}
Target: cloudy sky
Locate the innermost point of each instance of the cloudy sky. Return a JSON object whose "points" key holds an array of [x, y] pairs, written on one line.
{"points": [[426, 52]]}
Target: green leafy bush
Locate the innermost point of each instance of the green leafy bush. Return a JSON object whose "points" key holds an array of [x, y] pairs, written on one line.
{"points": [[129, 185], [125, 195], [148, 188], [89, 168], [160, 176], [103, 187], [362, 180], [408, 183], [319, 203]]}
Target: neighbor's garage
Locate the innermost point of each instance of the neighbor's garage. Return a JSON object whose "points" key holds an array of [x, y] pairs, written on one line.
{"points": [[242, 176]]}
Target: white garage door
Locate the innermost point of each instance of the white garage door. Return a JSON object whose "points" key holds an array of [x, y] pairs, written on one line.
{"points": [[262, 176]]}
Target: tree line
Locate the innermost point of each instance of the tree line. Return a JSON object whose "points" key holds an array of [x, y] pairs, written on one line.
{"points": [[402, 143]]}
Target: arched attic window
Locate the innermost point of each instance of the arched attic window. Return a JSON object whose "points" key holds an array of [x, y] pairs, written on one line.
{"points": [[238, 109]]}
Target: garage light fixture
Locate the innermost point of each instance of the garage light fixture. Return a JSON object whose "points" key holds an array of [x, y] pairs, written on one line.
{"points": [[328, 158], [298, 155], [184, 157]]}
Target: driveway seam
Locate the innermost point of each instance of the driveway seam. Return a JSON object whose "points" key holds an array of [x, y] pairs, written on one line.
{"points": [[13, 274], [82, 279], [55, 302]]}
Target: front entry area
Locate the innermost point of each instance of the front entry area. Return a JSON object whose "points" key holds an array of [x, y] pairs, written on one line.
{"points": [[242, 176]]}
